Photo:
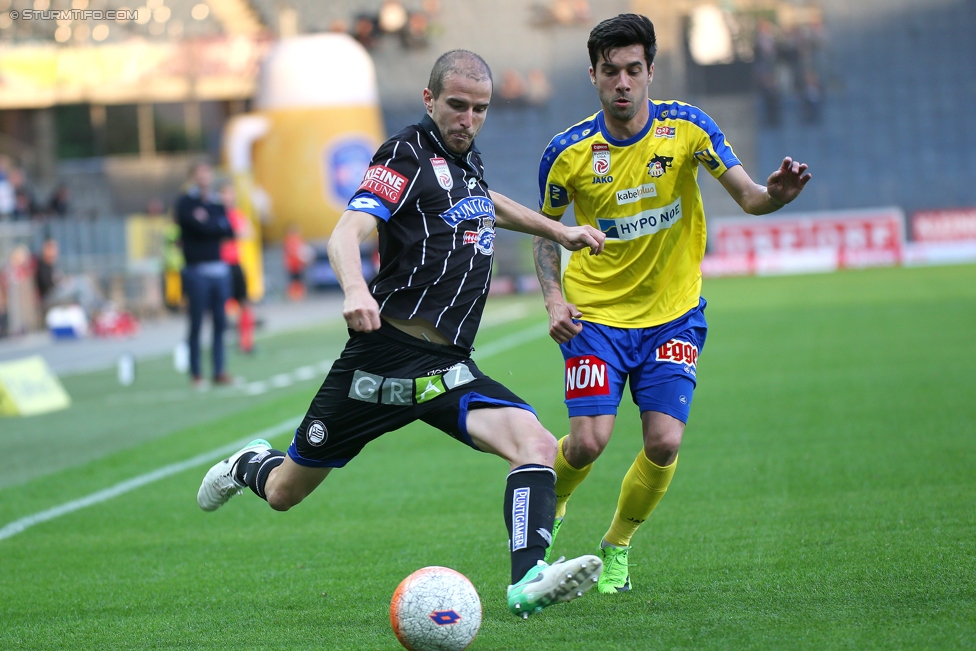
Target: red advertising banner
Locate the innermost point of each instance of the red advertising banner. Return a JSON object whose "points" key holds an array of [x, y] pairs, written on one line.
{"points": [[808, 242], [944, 225]]}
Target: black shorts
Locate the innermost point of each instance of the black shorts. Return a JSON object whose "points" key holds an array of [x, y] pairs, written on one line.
{"points": [[387, 379], [238, 286]]}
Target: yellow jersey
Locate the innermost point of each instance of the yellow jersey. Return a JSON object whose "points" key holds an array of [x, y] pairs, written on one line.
{"points": [[643, 193]]}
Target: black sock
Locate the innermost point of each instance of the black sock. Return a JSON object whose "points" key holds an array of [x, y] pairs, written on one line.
{"points": [[258, 467], [530, 508]]}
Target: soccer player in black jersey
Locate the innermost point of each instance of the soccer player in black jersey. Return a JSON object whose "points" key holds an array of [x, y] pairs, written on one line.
{"points": [[412, 329]]}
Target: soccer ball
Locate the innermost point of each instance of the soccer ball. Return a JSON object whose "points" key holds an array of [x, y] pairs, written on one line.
{"points": [[435, 609]]}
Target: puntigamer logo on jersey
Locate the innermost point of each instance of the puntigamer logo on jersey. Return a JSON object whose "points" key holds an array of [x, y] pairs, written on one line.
{"points": [[469, 208], [632, 195], [384, 182], [646, 222]]}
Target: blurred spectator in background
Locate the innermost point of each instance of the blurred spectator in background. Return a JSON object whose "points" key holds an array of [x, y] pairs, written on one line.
{"points": [[206, 278], [58, 204], [297, 255], [539, 90], [21, 293], [24, 205], [765, 71], [46, 274], [364, 30], [230, 253], [513, 88], [3, 302], [8, 199]]}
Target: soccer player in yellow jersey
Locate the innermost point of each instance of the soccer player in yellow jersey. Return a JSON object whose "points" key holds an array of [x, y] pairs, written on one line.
{"points": [[636, 310]]}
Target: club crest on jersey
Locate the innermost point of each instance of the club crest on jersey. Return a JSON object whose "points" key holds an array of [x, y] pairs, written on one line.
{"points": [[601, 158], [586, 376], [442, 172], [469, 208], [483, 238], [680, 352], [659, 165], [664, 131], [384, 182]]}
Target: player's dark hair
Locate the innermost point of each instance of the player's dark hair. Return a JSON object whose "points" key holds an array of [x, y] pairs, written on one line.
{"points": [[457, 62], [622, 31]]}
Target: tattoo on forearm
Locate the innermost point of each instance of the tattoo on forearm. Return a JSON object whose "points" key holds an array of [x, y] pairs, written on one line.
{"points": [[547, 265]]}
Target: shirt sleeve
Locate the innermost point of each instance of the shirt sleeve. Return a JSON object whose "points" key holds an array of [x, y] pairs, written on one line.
{"points": [[712, 148], [389, 181], [556, 191]]}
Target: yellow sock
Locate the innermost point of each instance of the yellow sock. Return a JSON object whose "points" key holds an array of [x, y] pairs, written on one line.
{"points": [[567, 479], [643, 487]]}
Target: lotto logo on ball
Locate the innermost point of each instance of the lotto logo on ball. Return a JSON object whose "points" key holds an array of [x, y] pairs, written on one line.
{"points": [[586, 376], [681, 352], [384, 182], [435, 609]]}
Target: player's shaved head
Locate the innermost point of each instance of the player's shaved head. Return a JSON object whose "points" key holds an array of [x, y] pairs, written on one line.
{"points": [[457, 62], [622, 31]]}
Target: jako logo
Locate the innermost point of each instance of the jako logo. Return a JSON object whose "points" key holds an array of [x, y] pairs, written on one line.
{"points": [[586, 376], [681, 352]]}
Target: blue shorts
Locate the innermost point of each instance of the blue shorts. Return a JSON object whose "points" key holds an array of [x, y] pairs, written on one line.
{"points": [[661, 362]]}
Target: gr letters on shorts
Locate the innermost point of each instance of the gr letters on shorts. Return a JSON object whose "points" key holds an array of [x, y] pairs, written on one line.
{"points": [[369, 387]]}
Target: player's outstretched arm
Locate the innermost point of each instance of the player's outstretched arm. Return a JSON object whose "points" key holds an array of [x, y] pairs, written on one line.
{"points": [[562, 327], [783, 186], [360, 309], [516, 217]]}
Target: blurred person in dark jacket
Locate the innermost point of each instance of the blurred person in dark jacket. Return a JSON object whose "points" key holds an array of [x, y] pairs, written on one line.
{"points": [[206, 278]]}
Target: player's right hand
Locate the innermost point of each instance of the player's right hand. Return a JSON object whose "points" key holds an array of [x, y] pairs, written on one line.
{"points": [[361, 311], [562, 326]]}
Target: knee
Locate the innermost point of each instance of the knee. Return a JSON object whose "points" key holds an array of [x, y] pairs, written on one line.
{"points": [[281, 500], [662, 448], [582, 449], [540, 448]]}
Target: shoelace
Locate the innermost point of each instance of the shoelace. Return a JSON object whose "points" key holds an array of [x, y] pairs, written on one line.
{"points": [[617, 569]]}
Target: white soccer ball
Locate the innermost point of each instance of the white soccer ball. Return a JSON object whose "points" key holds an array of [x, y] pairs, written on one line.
{"points": [[435, 609]]}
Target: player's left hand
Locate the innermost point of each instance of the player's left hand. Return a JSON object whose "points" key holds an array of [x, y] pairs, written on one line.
{"points": [[575, 238], [785, 184]]}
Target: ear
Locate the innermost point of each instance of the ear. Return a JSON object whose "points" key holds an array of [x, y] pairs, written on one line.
{"points": [[592, 76], [428, 100], [650, 74]]}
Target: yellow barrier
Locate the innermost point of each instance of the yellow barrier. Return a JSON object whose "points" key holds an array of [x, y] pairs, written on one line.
{"points": [[28, 387]]}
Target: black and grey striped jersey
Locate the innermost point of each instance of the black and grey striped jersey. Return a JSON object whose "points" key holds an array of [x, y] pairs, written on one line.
{"points": [[436, 231]]}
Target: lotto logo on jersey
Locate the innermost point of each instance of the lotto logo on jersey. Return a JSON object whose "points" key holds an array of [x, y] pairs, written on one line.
{"points": [[586, 376], [601, 158], [442, 172], [680, 352], [664, 132], [384, 182]]}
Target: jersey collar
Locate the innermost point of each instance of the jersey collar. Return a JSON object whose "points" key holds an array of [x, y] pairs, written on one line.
{"points": [[629, 141], [430, 128]]}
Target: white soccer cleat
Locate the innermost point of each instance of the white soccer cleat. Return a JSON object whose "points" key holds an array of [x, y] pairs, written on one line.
{"points": [[546, 585], [219, 484]]}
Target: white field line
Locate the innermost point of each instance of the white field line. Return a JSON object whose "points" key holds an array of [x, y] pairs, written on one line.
{"points": [[13, 528]]}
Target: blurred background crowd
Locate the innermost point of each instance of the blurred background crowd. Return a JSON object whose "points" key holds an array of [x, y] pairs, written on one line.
{"points": [[103, 120]]}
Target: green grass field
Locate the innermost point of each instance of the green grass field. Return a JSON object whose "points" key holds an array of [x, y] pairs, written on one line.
{"points": [[824, 498]]}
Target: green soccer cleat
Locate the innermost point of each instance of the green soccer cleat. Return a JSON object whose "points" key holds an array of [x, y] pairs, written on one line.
{"points": [[616, 572], [545, 585], [556, 524]]}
